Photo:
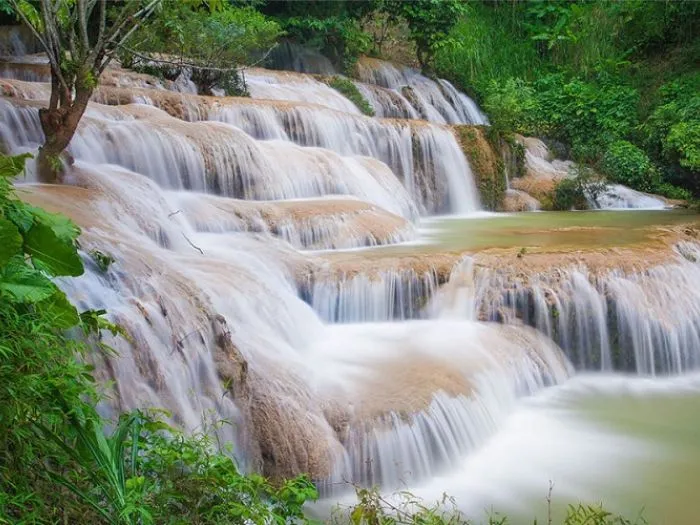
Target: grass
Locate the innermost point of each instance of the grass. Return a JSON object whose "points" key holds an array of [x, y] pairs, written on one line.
{"points": [[349, 90]]}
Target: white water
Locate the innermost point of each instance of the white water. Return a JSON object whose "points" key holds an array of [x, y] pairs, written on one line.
{"points": [[209, 285], [617, 196], [435, 101]]}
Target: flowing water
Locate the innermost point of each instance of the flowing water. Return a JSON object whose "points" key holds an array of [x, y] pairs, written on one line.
{"points": [[327, 282]]}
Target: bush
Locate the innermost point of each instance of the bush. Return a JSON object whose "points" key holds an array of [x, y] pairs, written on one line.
{"points": [[569, 195], [673, 192], [209, 45], [373, 509], [683, 143], [512, 106], [626, 164], [349, 90], [574, 192], [338, 37]]}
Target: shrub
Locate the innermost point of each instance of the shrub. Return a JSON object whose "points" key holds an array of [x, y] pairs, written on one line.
{"points": [[673, 192], [373, 509], [207, 44], [683, 144], [575, 192], [569, 195], [512, 105], [338, 36], [349, 90], [626, 164]]}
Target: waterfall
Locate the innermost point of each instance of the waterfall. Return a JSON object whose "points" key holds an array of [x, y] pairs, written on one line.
{"points": [[277, 85], [617, 196], [269, 273], [436, 101], [643, 321], [427, 159]]}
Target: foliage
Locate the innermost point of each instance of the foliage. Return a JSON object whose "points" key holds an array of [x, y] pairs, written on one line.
{"points": [[429, 23], [406, 509], [626, 164], [102, 260], [575, 191], [147, 472], [588, 74], [349, 90], [338, 37], [512, 105], [37, 360], [184, 480], [207, 44]]}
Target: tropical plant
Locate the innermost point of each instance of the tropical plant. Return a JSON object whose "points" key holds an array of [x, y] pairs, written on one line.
{"points": [[36, 358], [57, 464]]}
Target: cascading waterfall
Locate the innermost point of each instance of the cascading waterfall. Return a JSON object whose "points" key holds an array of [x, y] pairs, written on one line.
{"points": [[616, 196], [276, 85], [645, 321], [427, 159], [435, 101], [234, 226]]}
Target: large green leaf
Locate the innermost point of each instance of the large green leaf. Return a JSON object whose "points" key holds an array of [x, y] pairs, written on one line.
{"points": [[62, 226], [21, 214], [23, 283], [12, 166], [10, 241], [62, 313], [52, 253]]}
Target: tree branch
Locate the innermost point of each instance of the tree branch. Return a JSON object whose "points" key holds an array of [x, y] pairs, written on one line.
{"points": [[179, 63], [82, 23], [110, 41], [25, 20]]}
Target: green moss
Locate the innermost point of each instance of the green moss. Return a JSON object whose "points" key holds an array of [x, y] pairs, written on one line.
{"points": [[487, 165], [349, 90]]}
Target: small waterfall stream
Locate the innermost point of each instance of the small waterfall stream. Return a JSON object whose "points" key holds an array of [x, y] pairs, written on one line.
{"points": [[237, 227]]}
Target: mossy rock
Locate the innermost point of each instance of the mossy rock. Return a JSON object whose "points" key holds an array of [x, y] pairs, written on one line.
{"points": [[486, 162]]}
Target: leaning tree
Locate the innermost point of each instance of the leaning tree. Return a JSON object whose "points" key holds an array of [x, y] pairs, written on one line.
{"points": [[80, 38]]}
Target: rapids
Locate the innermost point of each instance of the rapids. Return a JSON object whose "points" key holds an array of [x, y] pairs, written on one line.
{"points": [[323, 281]]}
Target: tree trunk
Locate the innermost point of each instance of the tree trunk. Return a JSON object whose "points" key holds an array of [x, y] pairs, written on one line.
{"points": [[59, 125]]}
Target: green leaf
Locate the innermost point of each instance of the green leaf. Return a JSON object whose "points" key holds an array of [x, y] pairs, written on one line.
{"points": [[53, 252], [64, 228], [21, 214], [24, 283], [63, 314], [13, 166], [10, 241]]}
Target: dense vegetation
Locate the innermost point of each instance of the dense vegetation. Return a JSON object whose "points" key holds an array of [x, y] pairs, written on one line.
{"points": [[616, 83]]}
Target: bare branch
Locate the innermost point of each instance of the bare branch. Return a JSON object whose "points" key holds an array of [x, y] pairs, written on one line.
{"points": [[113, 41], [25, 20], [124, 17], [261, 60], [179, 63]]}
